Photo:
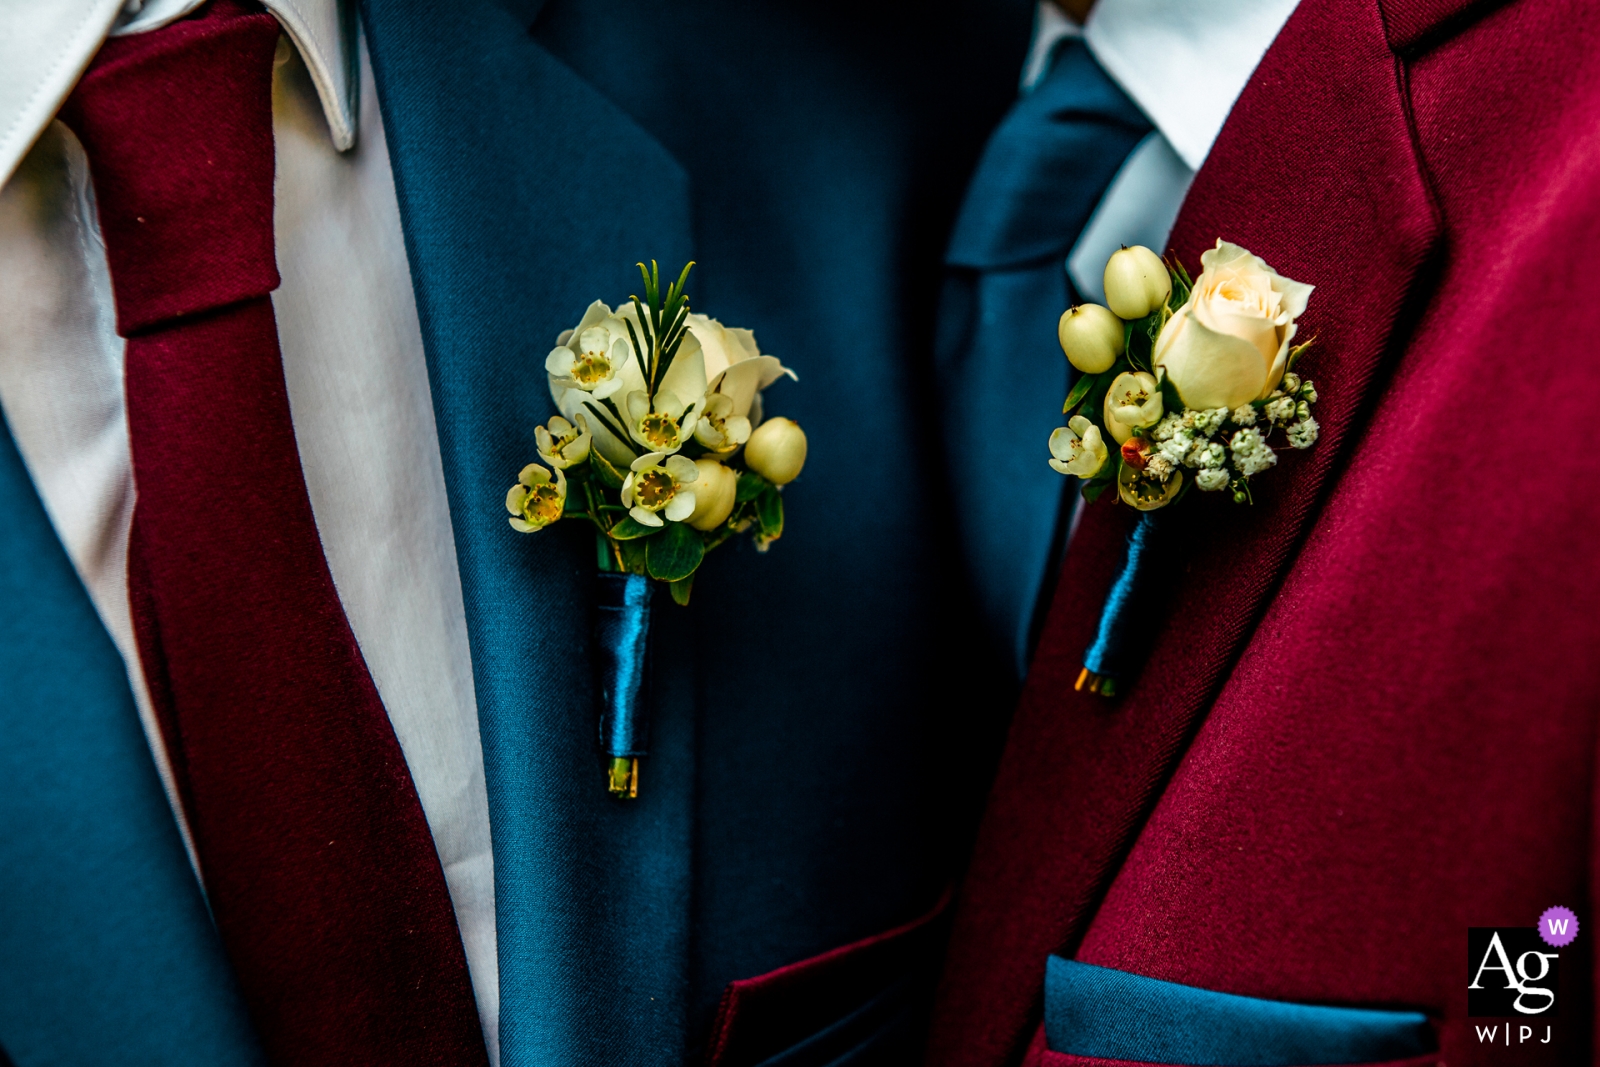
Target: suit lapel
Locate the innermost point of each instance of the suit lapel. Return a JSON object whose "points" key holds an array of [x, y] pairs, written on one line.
{"points": [[1411, 24], [109, 953], [524, 195], [1315, 171]]}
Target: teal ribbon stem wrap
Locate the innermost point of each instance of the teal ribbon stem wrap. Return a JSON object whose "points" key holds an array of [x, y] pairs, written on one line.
{"points": [[1132, 608], [622, 638]]}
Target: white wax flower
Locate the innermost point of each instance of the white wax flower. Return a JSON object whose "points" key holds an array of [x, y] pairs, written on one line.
{"points": [[1077, 448], [536, 501], [1229, 343], [1132, 403], [562, 444], [659, 485], [664, 423], [593, 356]]}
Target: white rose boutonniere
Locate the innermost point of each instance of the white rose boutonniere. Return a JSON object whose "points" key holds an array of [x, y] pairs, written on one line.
{"points": [[660, 446], [1194, 380], [1178, 387]]}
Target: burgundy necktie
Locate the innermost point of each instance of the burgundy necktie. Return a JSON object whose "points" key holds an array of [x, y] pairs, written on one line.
{"points": [[318, 862]]}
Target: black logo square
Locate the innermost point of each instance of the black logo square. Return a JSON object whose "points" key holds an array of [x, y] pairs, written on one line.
{"points": [[1510, 972]]}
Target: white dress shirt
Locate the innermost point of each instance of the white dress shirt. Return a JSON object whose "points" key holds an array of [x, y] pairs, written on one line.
{"points": [[358, 392], [1184, 63]]}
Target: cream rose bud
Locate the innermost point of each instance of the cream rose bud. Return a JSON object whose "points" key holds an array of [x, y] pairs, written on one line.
{"points": [[1091, 337], [714, 493], [776, 450], [1132, 403], [1137, 282], [1229, 344]]}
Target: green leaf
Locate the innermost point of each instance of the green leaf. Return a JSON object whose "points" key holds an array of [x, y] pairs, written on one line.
{"points": [[769, 512], [602, 553], [652, 282], [633, 555], [683, 278], [674, 555], [1080, 389], [1179, 274], [630, 529], [1139, 346], [609, 475], [1296, 352], [681, 590], [751, 485], [1092, 490], [1150, 325]]}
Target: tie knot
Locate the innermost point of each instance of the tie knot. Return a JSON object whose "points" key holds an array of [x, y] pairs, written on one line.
{"points": [[177, 124]]}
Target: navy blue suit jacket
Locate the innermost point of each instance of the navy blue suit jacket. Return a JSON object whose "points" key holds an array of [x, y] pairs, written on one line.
{"points": [[824, 713]]}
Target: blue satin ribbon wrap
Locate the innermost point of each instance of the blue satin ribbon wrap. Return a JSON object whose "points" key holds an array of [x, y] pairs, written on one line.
{"points": [[1132, 607], [1108, 1014], [622, 638]]}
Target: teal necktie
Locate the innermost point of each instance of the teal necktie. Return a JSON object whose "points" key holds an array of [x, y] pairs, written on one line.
{"points": [[1001, 374]]}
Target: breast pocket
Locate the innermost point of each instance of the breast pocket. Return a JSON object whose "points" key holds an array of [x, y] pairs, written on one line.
{"points": [[1095, 1015]]}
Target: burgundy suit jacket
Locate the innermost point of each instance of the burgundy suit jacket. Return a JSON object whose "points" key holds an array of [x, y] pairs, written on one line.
{"points": [[1369, 721]]}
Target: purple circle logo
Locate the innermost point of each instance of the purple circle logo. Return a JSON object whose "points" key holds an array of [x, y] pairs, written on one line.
{"points": [[1558, 926]]}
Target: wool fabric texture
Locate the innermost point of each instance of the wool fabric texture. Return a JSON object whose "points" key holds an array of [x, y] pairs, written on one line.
{"points": [[319, 866]]}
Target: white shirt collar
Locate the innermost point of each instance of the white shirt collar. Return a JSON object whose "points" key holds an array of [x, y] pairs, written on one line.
{"points": [[1050, 25], [1184, 62], [45, 46]]}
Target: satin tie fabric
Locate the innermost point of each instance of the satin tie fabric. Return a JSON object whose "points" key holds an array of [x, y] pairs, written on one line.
{"points": [[319, 866], [1001, 374]]}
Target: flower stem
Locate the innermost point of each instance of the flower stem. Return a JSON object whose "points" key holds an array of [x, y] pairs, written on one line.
{"points": [[622, 779]]}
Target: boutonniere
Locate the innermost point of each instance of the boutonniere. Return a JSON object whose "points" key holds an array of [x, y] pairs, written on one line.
{"points": [[661, 447], [1183, 385]]}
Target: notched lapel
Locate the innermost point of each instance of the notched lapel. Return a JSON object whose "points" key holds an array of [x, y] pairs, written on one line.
{"points": [[1414, 24], [1315, 171], [525, 195]]}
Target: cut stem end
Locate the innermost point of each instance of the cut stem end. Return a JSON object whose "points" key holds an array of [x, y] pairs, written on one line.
{"points": [[1103, 684], [623, 778]]}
